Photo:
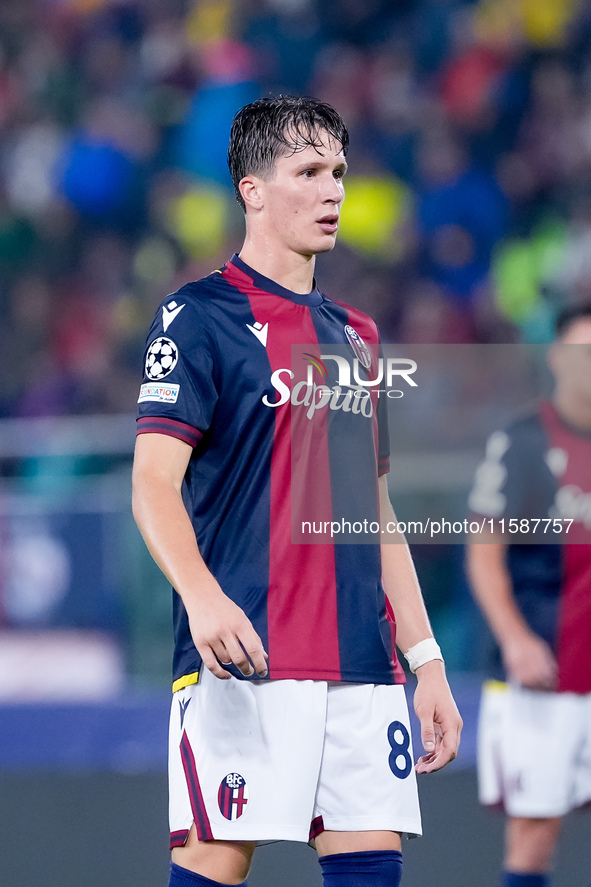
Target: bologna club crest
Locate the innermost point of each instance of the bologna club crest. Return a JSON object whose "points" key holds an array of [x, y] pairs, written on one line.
{"points": [[233, 796], [360, 349]]}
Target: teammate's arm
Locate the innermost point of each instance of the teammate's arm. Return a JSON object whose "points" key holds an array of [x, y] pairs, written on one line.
{"points": [[218, 626], [527, 657], [434, 705]]}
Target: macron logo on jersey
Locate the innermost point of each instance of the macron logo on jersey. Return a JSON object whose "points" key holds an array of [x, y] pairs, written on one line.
{"points": [[260, 332], [169, 312]]}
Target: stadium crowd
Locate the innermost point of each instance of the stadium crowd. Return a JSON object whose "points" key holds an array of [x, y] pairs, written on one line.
{"points": [[468, 212]]}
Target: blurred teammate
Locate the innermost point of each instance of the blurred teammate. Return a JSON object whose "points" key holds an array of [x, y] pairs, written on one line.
{"points": [[288, 718], [535, 730]]}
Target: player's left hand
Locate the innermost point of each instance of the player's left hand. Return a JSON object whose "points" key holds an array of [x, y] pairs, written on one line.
{"points": [[441, 723]]}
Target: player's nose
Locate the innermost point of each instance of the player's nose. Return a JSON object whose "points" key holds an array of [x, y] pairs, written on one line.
{"points": [[334, 192]]}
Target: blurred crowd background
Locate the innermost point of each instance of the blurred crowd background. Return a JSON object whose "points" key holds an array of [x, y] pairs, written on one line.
{"points": [[468, 215], [467, 221]]}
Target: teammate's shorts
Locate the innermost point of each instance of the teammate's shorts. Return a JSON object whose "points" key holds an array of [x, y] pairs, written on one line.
{"points": [[534, 750], [283, 760]]}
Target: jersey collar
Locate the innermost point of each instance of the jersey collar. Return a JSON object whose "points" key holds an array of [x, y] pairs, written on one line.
{"points": [[312, 299]]}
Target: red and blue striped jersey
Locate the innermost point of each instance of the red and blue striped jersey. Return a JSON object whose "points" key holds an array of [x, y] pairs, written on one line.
{"points": [[539, 471], [234, 368]]}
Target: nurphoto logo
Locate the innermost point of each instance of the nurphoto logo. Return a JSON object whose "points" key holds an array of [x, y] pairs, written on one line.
{"points": [[356, 384]]}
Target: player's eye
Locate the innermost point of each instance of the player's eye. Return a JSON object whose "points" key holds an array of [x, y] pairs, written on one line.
{"points": [[308, 173]]}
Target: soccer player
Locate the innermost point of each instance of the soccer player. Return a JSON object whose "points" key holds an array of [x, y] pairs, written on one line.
{"points": [[534, 750], [288, 719]]}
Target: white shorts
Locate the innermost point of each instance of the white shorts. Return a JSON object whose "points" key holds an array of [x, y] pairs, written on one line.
{"points": [[282, 760], [534, 750]]}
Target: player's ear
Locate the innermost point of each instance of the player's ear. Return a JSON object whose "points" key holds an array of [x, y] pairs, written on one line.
{"points": [[252, 192]]}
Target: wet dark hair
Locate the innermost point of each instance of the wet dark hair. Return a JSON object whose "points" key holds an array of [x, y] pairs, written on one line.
{"points": [[570, 315], [273, 126]]}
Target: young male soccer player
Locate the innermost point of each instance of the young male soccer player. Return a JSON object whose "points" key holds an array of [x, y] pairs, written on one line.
{"points": [[535, 731], [288, 718]]}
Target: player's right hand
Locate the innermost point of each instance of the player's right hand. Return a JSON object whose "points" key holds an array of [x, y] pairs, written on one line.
{"points": [[223, 633], [530, 662]]}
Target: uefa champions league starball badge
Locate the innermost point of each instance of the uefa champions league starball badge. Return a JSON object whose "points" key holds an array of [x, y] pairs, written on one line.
{"points": [[161, 358], [360, 349]]}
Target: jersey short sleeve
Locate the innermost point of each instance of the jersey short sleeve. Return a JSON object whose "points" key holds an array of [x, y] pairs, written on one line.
{"points": [[178, 395], [513, 480]]}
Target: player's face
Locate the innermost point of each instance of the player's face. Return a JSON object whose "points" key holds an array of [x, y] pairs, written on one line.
{"points": [[570, 360], [302, 200]]}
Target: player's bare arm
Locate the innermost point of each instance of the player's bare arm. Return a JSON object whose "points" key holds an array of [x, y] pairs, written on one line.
{"points": [[441, 723], [527, 657], [221, 631]]}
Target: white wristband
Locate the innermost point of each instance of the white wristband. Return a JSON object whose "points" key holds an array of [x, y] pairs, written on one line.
{"points": [[424, 651]]}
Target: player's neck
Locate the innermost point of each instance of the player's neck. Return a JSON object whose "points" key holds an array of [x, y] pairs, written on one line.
{"points": [[574, 411], [290, 270]]}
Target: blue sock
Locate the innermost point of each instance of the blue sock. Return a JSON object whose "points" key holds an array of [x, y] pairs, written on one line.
{"points": [[372, 868], [180, 877], [516, 879]]}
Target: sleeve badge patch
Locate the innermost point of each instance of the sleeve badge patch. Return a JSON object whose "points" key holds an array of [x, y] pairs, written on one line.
{"points": [[161, 359], [160, 393]]}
